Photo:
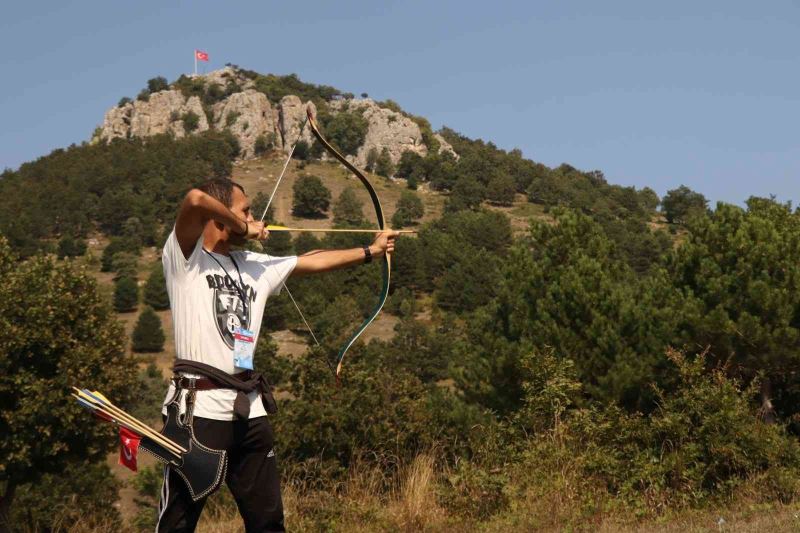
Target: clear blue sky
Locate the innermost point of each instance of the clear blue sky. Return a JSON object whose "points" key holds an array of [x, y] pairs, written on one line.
{"points": [[705, 94]]}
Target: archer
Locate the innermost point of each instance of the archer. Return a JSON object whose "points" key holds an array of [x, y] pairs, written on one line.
{"points": [[217, 298]]}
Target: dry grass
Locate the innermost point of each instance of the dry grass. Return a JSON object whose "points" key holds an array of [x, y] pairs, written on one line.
{"points": [[414, 506], [380, 494]]}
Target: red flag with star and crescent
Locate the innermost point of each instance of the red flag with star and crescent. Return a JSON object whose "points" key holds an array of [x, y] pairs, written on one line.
{"points": [[200, 55], [128, 448]]}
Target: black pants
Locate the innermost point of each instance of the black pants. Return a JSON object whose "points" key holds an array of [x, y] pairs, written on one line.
{"points": [[252, 477]]}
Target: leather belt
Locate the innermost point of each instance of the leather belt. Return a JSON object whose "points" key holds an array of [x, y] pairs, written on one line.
{"points": [[182, 382]]}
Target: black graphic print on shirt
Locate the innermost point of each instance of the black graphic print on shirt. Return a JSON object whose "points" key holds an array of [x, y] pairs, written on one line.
{"points": [[229, 310]]}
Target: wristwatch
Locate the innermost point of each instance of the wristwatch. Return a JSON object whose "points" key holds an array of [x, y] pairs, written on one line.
{"points": [[367, 255]]}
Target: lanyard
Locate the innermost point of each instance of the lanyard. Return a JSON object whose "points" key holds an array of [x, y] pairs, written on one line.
{"points": [[239, 289]]}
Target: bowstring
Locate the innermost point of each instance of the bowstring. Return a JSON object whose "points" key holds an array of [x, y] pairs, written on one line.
{"points": [[264, 214]]}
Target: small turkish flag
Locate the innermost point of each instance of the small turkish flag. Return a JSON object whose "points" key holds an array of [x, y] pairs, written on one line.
{"points": [[128, 448], [200, 55]]}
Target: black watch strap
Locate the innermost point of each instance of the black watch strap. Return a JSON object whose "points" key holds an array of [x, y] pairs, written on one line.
{"points": [[367, 255]]}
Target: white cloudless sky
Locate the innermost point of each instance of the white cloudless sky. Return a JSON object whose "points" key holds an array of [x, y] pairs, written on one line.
{"points": [[705, 94]]}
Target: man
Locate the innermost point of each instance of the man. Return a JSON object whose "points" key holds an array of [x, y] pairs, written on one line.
{"points": [[217, 299]]}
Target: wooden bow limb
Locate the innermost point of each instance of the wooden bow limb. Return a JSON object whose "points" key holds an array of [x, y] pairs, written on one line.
{"points": [[386, 264]]}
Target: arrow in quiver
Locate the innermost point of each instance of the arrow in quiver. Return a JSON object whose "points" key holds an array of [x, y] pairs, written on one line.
{"points": [[202, 468]]}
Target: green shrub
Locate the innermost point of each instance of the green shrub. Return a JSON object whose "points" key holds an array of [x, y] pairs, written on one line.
{"points": [[125, 265], [118, 244], [68, 246], [468, 193], [682, 203], [231, 118], [384, 166], [148, 335], [71, 338], [348, 210], [311, 197], [126, 295], [191, 121], [155, 290], [501, 190], [82, 495], [264, 143], [157, 84], [345, 130], [409, 210], [259, 204], [301, 151]]}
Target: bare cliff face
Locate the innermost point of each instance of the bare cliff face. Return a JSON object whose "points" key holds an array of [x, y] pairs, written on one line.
{"points": [[162, 113], [388, 129], [250, 116], [247, 115]]}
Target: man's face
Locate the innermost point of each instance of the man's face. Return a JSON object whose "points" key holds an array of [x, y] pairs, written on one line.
{"points": [[240, 206]]}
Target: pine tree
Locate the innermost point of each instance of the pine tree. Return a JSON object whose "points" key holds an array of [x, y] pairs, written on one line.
{"points": [[126, 295], [384, 166], [71, 247], [155, 291], [467, 194], [148, 336], [501, 190], [348, 209], [311, 197], [409, 210]]}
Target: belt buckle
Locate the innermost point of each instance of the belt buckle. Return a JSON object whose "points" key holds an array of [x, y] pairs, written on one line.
{"points": [[184, 382]]}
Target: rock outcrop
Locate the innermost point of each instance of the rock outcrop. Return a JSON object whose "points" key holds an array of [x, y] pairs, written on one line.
{"points": [[292, 117], [163, 112], [387, 128], [249, 115], [226, 75]]}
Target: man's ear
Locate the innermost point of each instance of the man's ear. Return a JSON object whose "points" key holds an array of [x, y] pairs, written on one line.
{"points": [[219, 226]]}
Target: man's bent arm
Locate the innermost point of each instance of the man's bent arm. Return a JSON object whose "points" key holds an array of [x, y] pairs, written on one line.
{"points": [[197, 209]]}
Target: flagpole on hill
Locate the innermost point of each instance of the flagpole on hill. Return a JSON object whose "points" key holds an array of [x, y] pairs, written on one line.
{"points": [[195, 62]]}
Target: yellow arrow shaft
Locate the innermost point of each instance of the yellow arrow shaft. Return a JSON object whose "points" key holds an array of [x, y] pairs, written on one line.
{"points": [[336, 230]]}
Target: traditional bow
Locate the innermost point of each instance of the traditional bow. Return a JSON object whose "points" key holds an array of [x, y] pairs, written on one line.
{"points": [[386, 265], [387, 261]]}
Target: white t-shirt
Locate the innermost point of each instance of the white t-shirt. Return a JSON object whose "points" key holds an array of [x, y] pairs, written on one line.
{"points": [[206, 308]]}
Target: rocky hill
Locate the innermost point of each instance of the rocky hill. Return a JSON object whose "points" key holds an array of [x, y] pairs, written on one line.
{"points": [[249, 115]]}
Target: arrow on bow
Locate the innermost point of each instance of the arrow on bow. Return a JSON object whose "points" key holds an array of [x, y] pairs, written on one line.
{"points": [[330, 230]]}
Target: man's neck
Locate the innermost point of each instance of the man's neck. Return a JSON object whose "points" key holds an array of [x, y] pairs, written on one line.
{"points": [[213, 243]]}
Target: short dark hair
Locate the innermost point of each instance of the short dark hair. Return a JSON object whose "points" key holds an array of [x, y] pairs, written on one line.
{"points": [[221, 189]]}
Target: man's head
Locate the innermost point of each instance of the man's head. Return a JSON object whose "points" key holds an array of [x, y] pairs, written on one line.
{"points": [[232, 195]]}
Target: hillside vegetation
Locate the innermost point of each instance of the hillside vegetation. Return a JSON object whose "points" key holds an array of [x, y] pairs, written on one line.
{"points": [[557, 352]]}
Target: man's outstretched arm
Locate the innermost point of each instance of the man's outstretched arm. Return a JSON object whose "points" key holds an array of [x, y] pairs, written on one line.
{"points": [[325, 260], [198, 208]]}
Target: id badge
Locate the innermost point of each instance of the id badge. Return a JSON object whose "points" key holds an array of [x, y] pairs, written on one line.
{"points": [[243, 348]]}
